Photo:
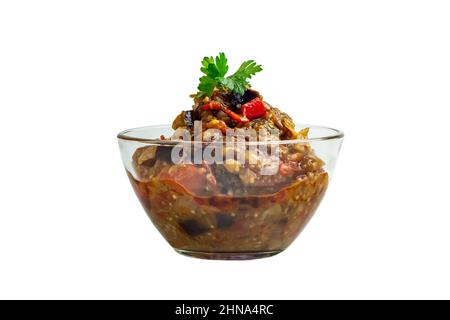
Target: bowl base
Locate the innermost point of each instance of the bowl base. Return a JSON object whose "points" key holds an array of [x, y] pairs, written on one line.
{"points": [[228, 255]]}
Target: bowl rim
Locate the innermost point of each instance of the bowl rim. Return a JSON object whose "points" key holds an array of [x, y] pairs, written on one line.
{"points": [[125, 135]]}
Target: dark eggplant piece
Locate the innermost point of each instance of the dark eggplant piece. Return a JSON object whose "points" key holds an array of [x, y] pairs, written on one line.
{"points": [[192, 227], [249, 95], [189, 118], [184, 119]]}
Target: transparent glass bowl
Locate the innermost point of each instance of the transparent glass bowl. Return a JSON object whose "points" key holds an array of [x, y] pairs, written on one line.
{"points": [[225, 210]]}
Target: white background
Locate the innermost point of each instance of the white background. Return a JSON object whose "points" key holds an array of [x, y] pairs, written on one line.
{"points": [[74, 73]]}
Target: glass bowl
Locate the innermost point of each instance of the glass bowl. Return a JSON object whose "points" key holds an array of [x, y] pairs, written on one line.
{"points": [[252, 204]]}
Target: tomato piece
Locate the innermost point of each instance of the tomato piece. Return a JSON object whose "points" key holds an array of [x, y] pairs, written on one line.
{"points": [[254, 109], [186, 178], [286, 170], [213, 105]]}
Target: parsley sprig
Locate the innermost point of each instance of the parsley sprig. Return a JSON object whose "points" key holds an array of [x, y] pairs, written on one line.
{"points": [[215, 70]]}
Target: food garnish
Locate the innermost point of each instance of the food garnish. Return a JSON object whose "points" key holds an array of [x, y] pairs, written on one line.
{"points": [[215, 71]]}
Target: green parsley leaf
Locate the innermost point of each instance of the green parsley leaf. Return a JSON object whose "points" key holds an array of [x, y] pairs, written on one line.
{"points": [[222, 64], [235, 85], [214, 71], [247, 69], [206, 86]]}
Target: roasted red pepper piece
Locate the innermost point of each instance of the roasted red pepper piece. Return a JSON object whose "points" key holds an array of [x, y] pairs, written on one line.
{"points": [[214, 105], [251, 110], [186, 178], [254, 109], [235, 116]]}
